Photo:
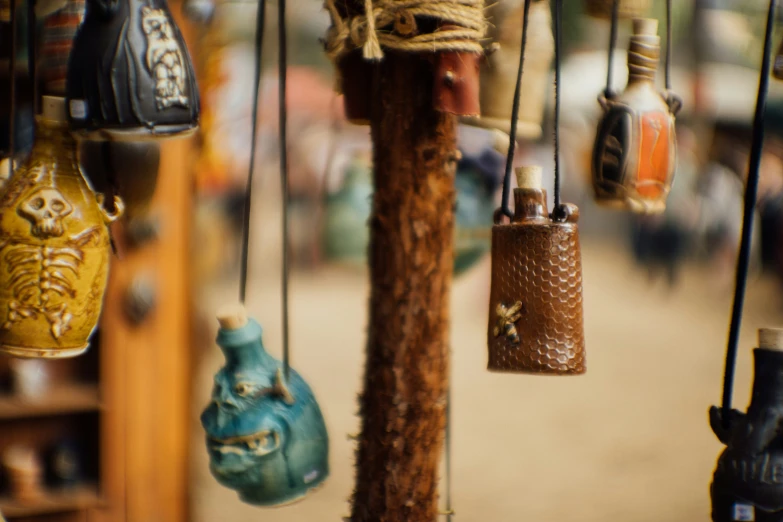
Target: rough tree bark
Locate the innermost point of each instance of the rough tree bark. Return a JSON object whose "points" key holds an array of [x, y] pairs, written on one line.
{"points": [[411, 256]]}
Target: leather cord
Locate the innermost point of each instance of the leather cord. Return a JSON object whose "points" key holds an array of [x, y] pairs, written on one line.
{"points": [[558, 211], [260, 19], [558, 23], [608, 93], [512, 142], [282, 71], [12, 76], [751, 190]]}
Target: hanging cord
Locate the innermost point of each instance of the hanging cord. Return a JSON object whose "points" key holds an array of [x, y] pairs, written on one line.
{"points": [[12, 75], [32, 52], [449, 511], [608, 93], [260, 17], [751, 190], [512, 142], [558, 211], [674, 101], [283, 69]]}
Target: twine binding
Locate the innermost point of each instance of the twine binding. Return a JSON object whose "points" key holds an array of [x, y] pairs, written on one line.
{"points": [[461, 27]]}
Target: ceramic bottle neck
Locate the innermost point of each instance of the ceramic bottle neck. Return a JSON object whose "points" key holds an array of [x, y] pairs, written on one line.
{"points": [[644, 53], [767, 379], [530, 205], [53, 140]]}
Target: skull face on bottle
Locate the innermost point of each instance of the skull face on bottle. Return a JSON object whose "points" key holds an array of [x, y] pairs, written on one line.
{"points": [[45, 209]]}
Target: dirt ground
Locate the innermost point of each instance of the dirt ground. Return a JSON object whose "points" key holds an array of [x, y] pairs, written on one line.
{"points": [[628, 441]]}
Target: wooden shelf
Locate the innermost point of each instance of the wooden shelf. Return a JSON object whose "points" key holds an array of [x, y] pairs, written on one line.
{"points": [[53, 501], [57, 401]]}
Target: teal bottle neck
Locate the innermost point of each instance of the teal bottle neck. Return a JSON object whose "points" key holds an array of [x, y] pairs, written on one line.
{"points": [[243, 347]]}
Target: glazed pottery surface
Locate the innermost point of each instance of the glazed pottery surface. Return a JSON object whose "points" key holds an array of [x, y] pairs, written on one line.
{"points": [[748, 479], [536, 320], [635, 151], [54, 251], [129, 75], [266, 436]]}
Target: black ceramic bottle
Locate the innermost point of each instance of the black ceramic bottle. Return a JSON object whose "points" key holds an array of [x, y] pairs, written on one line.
{"points": [[129, 74], [748, 480]]}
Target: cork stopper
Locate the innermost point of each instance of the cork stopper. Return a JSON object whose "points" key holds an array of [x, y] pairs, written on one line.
{"points": [[771, 339], [232, 317], [53, 109], [529, 177], [645, 27]]}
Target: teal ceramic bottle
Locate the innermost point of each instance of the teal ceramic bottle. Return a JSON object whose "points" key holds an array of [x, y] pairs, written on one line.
{"points": [[266, 436]]}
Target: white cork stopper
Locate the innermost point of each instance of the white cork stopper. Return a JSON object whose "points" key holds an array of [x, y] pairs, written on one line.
{"points": [[53, 109], [645, 27], [232, 317], [529, 177], [771, 339]]}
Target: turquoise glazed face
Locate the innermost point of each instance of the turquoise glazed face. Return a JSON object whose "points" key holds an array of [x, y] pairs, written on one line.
{"points": [[266, 436]]}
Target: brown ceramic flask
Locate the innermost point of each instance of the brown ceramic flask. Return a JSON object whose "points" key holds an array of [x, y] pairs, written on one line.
{"points": [[635, 151], [54, 248], [535, 308]]}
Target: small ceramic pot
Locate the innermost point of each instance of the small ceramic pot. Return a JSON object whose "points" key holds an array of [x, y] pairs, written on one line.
{"points": [[536, 322], [266, 436], [130, 76], [54, 248], [346, 234], [64, 464], [499, 68], [24, 473], [30, 378]]}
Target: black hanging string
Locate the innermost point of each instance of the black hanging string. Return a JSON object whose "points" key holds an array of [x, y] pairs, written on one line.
{"points": [[668, 64], [608, 93], [751, 190], [512, 143], [12, 76], [558, 52], [260, 17], [32, 52], [283, 69]]}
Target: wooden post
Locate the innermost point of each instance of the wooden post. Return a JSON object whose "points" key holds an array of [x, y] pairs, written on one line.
{"points": [[403, 404]]}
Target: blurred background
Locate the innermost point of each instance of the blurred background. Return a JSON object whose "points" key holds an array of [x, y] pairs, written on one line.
{"points": [[629, 440]]}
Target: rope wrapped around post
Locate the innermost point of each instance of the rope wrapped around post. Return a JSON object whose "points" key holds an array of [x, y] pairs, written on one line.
{"points": [[460, 27]]}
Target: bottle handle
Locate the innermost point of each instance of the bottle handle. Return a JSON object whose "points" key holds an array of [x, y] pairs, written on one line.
{"points": [[119, 209]]}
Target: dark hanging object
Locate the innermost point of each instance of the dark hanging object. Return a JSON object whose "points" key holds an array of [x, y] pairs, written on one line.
{"points": [[130, 76], [130, 168], [748, 481], [535, 309], [266, 436], [635, 150]]}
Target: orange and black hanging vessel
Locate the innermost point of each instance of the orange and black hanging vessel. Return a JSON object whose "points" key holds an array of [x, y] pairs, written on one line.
{"points": [[635, 150], [535, 317]]}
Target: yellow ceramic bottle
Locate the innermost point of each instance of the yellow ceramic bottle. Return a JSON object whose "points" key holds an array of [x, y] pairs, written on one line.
{"points": [[54, 247]]}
